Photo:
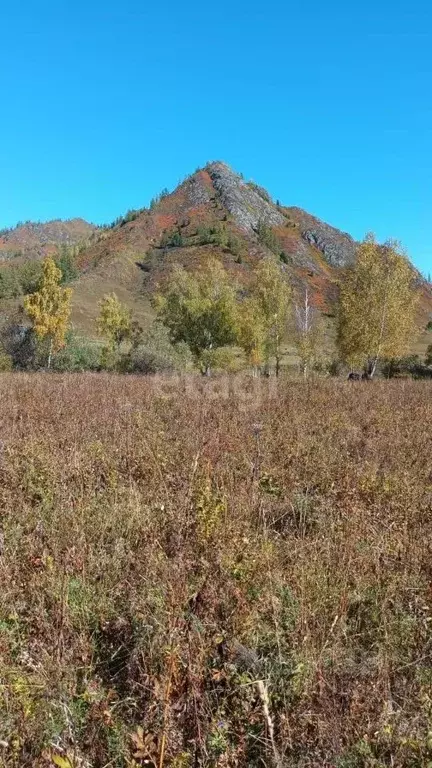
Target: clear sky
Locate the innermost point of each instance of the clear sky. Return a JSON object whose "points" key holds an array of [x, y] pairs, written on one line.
{"points": [[327, 104]]}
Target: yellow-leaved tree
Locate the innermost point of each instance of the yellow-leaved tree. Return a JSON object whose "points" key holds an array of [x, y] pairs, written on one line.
{"points": [[377, 306], [272, 294], [251, 331], [308, 332], [114, 320], [115, 323], [49, 309]]}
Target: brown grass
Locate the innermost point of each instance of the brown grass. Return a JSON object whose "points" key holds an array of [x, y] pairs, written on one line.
{"points": [[182, 572]]}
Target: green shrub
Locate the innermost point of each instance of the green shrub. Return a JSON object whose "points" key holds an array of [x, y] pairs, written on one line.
{"points": [[79, 354], [408, 366], [334, 367], [29, 276], [236, 246], [156, 354], [146, 359], [19, 280], [223, 359], [213, 234], [66, 264], [171, 238], [10, 286], [267, 237], [19, 343], [6, 363], [22, 279]]}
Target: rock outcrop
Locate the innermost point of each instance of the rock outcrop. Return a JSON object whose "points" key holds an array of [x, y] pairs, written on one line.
{"points": [[243, 201], [338, 248]]}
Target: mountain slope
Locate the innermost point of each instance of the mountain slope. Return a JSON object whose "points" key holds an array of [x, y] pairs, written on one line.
{"points": [[36, 240], [214, 212], [137, 256]]}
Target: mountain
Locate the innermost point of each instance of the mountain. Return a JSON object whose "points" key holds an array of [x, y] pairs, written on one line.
{"points": [[214, 211], [36, 240]]}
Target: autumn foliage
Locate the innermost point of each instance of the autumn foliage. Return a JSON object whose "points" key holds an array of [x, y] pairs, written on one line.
{"points": [[49, 308], [377, 306], [175, 552]]}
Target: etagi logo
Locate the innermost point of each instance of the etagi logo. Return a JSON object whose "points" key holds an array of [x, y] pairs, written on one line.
{"points": [[248, 391]]}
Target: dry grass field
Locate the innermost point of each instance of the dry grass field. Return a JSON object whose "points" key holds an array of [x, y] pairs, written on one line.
{"points": [[215, 573]]}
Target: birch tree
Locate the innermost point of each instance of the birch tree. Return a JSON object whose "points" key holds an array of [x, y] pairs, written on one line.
{"points": [[272, 294], [251, 332], [199, 308], [114, 321], [308, 332], [49, 309], [377, 306]]}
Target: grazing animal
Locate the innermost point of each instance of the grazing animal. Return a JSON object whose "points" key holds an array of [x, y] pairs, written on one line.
{"points": [[359, 376]]}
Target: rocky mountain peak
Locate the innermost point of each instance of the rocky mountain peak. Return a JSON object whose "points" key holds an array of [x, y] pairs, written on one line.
{"points": [[247, 203]]}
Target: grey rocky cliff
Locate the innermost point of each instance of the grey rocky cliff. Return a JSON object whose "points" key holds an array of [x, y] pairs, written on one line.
{"points": [[245, 204], [338, 248], [197, 192]]}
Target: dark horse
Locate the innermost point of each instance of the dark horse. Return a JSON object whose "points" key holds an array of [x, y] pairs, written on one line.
{"points": [[359, 376]]}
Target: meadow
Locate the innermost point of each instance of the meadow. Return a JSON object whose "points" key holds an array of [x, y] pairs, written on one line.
{"points": [[221, 573]]}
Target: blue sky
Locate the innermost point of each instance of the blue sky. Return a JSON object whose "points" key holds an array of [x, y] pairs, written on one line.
{"points": [[327, 104]]}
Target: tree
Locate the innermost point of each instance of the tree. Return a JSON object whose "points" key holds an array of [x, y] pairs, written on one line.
{"points": [[237, 247], [19, 343], [66, 263], [308, 335], [30, 274], [49, 309], [172, 238], [377, 304], [199, 309], [267, 237], [155, 353], [213, 234], [251, 331], [114, 321], [428, 358], [10, 286], [272, 295]]}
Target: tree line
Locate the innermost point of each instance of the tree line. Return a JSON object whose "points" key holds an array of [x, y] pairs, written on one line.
{"points": [[203, 314]]}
